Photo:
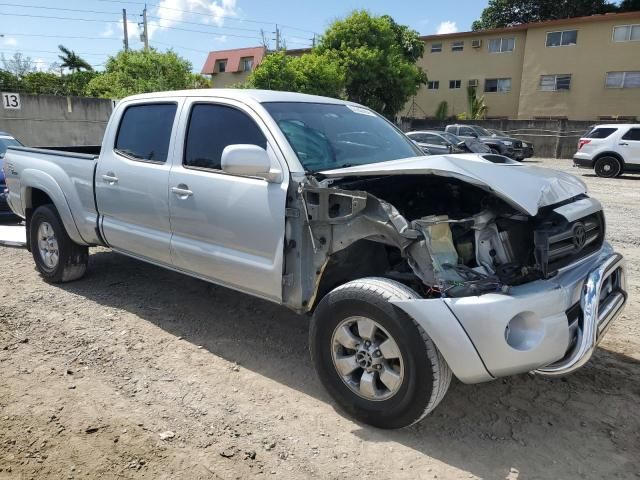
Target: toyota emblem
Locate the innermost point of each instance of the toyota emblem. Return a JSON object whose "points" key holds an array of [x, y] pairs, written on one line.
{"points": [[579, 236]]}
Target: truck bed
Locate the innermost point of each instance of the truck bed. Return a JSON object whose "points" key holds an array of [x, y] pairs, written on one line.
{"points": [[62, 174]]}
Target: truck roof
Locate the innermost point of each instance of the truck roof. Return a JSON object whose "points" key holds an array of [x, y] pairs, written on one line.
{"points": [[241, 94]]}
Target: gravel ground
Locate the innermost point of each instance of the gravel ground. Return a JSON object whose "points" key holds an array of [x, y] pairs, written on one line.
{"points": [[138, 372]]}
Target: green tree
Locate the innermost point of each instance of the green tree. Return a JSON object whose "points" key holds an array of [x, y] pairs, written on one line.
{"points": [[9, 82], [310, 73], [76, 84], [629, 6], [378, 59], [139, 71], [42, 83], [72, 60], [442, 111], [504, 13]]}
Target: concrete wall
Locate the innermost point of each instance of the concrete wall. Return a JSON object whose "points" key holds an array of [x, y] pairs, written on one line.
{"points": [[228, 79], [47, 120], [550, 138]]}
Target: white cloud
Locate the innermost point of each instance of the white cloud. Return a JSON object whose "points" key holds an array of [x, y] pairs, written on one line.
{"points": [[114, 30], [171, 12], [447, 26], [41, 65], [9, 41]]}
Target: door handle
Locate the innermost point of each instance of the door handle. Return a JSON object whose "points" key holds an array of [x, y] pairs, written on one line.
{"points": [[110, 178], [624, 144], [182, 191]]}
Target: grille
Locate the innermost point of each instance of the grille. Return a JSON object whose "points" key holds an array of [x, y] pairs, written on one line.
{"points": [[517, 144], [559, 245]]}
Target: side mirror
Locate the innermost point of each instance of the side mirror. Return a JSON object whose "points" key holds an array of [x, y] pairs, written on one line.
{"points": [[250, 161], [450, 148]]}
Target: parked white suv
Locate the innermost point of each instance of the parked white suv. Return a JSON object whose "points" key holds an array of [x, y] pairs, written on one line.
{"points": [[610, 150]]}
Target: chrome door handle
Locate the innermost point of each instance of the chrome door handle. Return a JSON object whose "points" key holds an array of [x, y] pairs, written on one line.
{"points": [[110, 178], [182, 191]]}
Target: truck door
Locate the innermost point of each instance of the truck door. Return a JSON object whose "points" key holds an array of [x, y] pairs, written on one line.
{"points": [[227, 228], [132, 180]]}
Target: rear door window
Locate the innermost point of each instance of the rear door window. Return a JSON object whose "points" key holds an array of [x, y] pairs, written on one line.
{"points": [[145, 131], [632, 134], [214, 127], [467, 132], [600, 132]]}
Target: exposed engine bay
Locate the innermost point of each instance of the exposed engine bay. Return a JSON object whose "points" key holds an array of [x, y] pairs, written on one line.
{"points": [[440, 236]]}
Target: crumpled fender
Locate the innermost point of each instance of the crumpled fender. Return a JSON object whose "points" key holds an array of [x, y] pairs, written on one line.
{"points": [[30, 179]]}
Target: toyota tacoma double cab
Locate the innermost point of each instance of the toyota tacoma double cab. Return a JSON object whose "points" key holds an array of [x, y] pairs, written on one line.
{"points": [[413, 268]]}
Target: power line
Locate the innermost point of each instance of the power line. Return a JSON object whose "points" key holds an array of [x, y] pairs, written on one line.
{"points": [[228, 17], [7, 34], [42, 7], [53, 18]]}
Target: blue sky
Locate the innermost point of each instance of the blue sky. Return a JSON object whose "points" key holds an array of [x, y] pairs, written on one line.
{"points": [[220, 24]]}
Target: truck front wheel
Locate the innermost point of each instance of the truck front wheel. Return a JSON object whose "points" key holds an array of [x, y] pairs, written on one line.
{"points": [[376, 361], [58, 258]]}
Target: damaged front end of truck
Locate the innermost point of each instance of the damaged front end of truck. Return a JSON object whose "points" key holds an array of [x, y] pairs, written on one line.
{"points": [[444, 232], [501, 257]]}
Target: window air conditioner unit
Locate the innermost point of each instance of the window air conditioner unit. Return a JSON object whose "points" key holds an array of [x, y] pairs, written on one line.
{"points": [[473, 83], [476, 43]]}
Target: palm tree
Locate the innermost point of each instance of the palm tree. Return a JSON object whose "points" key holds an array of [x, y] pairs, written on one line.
{"points": [[477, 106], [72, 61]]}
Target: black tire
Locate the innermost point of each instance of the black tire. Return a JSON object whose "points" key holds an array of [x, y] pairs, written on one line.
{"points": [[72, 258], [426, 374], [608, 167], [494, 151]]}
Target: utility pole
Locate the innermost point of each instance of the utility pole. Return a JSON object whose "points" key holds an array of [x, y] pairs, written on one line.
{"points": [[144, 37], [125, 40], [313, 41], [277, 32]]}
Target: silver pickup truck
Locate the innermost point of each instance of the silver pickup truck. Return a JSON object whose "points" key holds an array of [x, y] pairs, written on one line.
{"points": [[414, 268]]}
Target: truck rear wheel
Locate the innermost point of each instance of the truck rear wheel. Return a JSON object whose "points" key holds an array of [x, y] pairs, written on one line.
{"points": [[374, 359], [58, 258]]}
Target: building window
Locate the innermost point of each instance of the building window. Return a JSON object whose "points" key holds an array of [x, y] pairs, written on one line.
{"points": [[433, 85], [455, 83], [436, 47], [457, 46], [553, 83], [501, 45], [499, 85], [623, 80], [222, 66], [562, 39], [626, 33], [246, 64]]}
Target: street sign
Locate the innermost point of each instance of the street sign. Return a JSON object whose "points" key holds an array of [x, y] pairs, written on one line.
{"points": [[11, 101]]}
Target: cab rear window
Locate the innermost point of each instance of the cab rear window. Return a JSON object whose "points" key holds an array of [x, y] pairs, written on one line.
{"points": [[600, 132]]}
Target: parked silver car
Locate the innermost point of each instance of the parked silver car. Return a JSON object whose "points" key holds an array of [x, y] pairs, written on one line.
{"points": [[413, 267]]}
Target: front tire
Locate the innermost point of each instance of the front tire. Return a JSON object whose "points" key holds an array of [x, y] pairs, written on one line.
{"points": [[376, 362], [58, 258], [608, 167]]}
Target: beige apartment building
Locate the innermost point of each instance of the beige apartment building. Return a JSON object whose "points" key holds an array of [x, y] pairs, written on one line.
{"points": [[585, 68]]}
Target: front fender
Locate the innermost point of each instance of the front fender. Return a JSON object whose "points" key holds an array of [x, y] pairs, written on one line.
{"points": [[37, 179], [437, 320]]}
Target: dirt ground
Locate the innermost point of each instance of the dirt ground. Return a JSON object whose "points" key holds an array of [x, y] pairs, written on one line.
{"points": [[138, 372]]}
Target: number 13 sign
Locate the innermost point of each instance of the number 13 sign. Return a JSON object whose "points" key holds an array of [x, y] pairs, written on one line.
{"points": [[11, 101]]}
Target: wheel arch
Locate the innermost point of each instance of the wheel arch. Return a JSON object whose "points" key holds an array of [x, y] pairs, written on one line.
{"points": [[38, 189], [608, 153]]}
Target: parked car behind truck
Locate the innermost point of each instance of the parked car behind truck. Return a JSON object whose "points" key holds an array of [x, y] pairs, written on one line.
{"points": [[434, 142], [610, 150], [414, 268], [507, 146]]}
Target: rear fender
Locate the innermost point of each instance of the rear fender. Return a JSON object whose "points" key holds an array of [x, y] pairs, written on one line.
{"points": [[31, 179]]}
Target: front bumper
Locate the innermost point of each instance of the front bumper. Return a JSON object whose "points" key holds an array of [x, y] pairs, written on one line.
{"points": [[528, 329]]}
